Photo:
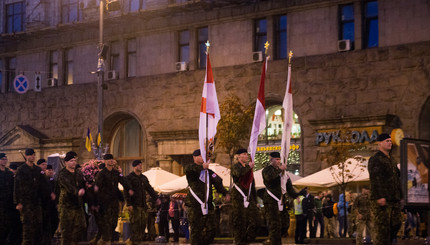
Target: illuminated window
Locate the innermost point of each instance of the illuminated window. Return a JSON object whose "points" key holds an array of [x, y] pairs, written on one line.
{"points": [[346, 21], [370, 25], [281, 37], [68, 64]]}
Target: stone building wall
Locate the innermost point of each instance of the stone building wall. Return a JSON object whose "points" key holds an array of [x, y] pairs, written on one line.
{"points": [[392, 80]]}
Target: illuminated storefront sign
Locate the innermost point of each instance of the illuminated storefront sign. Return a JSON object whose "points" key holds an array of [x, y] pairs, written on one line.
{"points": [[352, 135], [293, 147]]}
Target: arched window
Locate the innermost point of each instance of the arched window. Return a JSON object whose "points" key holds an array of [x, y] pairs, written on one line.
{"points": [[270, 139], [127, 143]]}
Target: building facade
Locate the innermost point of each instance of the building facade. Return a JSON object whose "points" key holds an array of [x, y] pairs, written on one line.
{"points": [[361, 65]]}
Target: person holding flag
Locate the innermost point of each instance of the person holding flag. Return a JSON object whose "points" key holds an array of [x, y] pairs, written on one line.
{"points": [[244, 199], [200, 178], [275, 177]]}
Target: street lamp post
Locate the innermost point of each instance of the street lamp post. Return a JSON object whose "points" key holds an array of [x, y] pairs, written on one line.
{"points": [[100, 74]]}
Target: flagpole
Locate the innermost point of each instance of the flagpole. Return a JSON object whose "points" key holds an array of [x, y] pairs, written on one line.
{"points": [[207, 131]]}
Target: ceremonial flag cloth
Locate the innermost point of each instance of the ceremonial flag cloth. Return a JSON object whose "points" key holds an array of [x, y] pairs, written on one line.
{"points": [[88, 140], [209, 112], [288, 119], [259, 123]]}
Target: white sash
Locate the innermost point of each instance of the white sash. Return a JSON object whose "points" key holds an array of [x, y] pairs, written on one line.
{"points": [[245, 198], [280, 206], [203, 205]]}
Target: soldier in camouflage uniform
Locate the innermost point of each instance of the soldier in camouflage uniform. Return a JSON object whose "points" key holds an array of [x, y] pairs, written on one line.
{"points": [[361, 209], [203, 226], [108, 197], [385, 192], [6, 200], [136, 203], [72, 189], [244, 199], [30, 190], [273, 203]]}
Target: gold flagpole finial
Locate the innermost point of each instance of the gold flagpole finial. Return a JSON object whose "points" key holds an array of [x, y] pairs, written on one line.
{"points": [[290, 55], [266, 47], [207, 46]]}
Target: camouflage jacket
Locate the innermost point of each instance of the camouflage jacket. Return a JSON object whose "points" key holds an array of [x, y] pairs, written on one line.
{"points": [[140, 186], [384, 178], [272, 181], [69, 184]]}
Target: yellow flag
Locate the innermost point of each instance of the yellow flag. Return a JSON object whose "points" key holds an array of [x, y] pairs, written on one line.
{"points": [[88, 141]]}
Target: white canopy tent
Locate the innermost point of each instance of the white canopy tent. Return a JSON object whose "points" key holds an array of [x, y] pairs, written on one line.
{"points": [[157, 176], [324, 178]]}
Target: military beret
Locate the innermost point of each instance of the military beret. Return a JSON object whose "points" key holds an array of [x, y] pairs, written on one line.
{"points": [[40, 161], [2, 155], [49, 166], [197, 153], [241, 150], [29, 152], [275, 154], [70, 155], [107, 157], [136, 162], [383, 137]]}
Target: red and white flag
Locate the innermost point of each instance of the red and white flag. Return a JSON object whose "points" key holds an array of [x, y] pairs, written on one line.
{"points": [[288, 119], [259, 123], [209, 112]]}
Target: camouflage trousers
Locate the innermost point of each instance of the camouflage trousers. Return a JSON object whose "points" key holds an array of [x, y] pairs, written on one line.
{"points": [[109, 220], [138, 219], [203, 227], [363, 224], [387, 222], [273, 218], [244, 222], [72, 225], [31, 218]]}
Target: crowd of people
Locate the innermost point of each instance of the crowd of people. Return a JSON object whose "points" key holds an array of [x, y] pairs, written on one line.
{"points": [[35, 206]]}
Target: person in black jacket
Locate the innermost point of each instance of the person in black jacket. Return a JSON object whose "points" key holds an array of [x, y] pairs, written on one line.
{"points": [[108, 196], [30, 190], [6, 200], [72, 188], [330, 217], [308, 205], [136, 205]]}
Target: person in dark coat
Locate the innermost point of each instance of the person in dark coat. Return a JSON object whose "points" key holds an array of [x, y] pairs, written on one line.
{"points": [[6, 200], [200, 208], [385, 192], [244, 199], [109, 196], [72, 189], [30, 192], [273, 203], [139, 186]]}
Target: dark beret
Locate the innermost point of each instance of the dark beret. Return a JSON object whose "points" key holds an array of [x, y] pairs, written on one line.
{"points": [[13, 166], [197, 153], [383, 137], [70, 155], [136, 162], [241, 150], [40, 161], [2, 155], [29, 152], [107, 157], [275, 154]]}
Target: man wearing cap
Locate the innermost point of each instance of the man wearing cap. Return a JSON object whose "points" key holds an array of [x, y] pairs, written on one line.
{"points": [[244, 199], [46, 219], [42, 164], [72, 217], [108, 196], [385, 192], [200, 209], [30, 191], [277, 184], [6, 199], [136, 203]]}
